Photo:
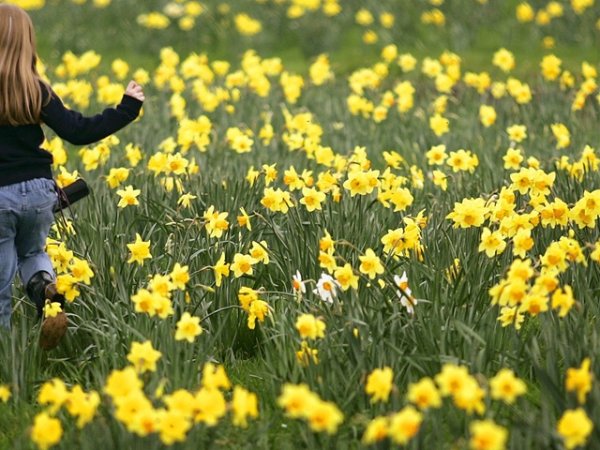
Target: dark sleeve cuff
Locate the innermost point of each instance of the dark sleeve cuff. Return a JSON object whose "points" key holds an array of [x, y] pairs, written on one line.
{"points": [[131, 106]]}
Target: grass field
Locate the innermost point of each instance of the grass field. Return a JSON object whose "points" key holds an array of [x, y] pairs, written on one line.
{"points": [[327, 233]]}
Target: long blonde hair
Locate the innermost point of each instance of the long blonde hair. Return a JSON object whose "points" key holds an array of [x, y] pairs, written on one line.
{"points": [[20, 88]]}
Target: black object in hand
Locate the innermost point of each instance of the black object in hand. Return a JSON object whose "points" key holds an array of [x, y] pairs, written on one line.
{"points": [[71, 193]]}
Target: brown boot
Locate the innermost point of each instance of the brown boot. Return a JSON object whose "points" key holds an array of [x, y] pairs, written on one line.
{"points": [[41, 288], [53, 328]]}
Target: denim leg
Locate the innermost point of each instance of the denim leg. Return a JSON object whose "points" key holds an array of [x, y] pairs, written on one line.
{"points": [[34, 225], [8, 264]]}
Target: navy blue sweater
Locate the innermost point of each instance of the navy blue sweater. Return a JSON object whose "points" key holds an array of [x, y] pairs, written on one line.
{"points": [[22, 159]]}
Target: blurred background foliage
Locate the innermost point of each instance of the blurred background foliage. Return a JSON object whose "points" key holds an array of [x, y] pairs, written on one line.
{"points": [[471, 28]]}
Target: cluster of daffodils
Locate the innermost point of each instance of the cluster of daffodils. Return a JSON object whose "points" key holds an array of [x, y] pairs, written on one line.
{"points": [[396, 243], [552, 10], [55, 396], [299, 402], [376, 24], [370, 22], [156, 299], [172, 166], [468, 394], [310, 328], [513, 216], [71, 271], [336, 278], [170, 162], [197, 80], [405, 240], [453, 381], [184, 13], [551, 70], [374, 93], [460, 160], [73, 75], [187, 15], [253, 305], [301, 8], [171, 416], [242, 263], [97, 155], [577, 169], [526, 291], [574, 425]]}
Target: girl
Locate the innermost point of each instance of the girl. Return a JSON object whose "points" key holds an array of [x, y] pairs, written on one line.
{"points": [[27, 191]]}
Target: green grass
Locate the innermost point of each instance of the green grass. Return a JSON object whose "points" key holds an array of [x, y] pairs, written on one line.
{"points": [[11, 423]]}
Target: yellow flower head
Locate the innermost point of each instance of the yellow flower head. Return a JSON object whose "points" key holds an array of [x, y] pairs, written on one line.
{"points": [[244, 404], [188, 328], [260, 252], [221, 269], [143, 356], [424, 394], [242, 265], [580, 380], [122, 382], [377, 430], [346, 278], [506, 386], [179, 276], [297, 400], [173, 426], [310, 327], [324, 416], [439, 124], [4, 393], [46, 431], [379, 384], [140, 250], [486, 435], [504, 59], [574, 427], [53, 393], [51, 309], [215, 377], [470, 212], [452, 378], [404, 425]]}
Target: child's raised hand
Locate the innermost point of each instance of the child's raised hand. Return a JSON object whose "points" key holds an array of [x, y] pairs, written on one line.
{"points": [[135, 90]]}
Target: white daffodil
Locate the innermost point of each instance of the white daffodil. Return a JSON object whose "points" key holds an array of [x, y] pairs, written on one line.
{"points": [[404, 293], [298, 284], [326, 288]]}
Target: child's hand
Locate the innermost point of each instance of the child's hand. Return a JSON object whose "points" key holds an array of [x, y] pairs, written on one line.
{"points": [[135, 90]]}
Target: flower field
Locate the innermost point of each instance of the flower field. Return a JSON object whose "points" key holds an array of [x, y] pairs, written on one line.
{"points": [[337, 224]]}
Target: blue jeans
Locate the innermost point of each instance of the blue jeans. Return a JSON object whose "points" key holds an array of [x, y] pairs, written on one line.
{"points": [[26, 214]]}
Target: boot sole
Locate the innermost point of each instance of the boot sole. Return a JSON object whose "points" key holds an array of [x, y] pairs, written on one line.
{"points": [[53, 330]]}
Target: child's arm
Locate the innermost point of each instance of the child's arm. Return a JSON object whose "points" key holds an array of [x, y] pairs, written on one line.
{"points": [[80, 130]]}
